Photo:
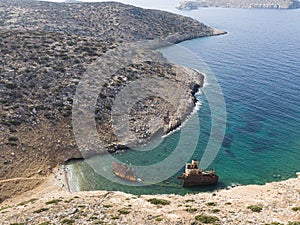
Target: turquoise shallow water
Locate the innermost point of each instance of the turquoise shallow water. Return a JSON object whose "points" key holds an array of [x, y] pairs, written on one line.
{"points": [[257, 66]]}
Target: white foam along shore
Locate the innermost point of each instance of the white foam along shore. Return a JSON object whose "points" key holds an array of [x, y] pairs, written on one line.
{"points": [[195, 109]]}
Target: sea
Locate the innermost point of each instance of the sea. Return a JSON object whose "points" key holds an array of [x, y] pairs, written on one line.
{"points": [[257, 67]]}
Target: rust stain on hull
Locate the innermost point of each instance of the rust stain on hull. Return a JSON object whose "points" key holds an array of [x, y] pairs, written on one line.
{"points": [[193, 176], [124, 171]]}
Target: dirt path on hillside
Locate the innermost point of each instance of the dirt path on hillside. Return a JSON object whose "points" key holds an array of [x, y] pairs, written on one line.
{"points": [[21, 178]]}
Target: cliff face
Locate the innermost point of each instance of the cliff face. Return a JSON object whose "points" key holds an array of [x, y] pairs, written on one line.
{"points": [[269, 4], [46, 48]]}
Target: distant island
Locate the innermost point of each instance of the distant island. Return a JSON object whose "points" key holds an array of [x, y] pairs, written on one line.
{"points": [[266, 4], [72, 1]]}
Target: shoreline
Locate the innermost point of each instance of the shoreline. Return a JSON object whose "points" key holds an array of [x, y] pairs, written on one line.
{"points": [[67, 185], [173, 39], [277, 200], [68, 173]]}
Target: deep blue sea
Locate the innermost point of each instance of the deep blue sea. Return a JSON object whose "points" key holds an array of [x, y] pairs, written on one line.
{"points": [[257, 65]]}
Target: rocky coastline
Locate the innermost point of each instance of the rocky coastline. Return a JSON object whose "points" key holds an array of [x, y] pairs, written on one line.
{"points": [[265, 4], [45, 50]]}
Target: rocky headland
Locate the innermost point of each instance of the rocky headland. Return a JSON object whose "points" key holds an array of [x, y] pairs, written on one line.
{"points": [[266, 4], [46, 48]]}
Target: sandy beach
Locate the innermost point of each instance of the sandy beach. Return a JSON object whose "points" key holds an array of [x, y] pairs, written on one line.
{"points": [[278, 202]]}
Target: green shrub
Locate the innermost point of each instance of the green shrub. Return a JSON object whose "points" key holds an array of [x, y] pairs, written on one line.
{"points": [[274, 223], [15, 122], [107, 206], [68, 201], [157, 201], [7, 207], [296, 208], [55, 201], [207, 219], [294, 223], [93, 218], [11, 144], [124, 211], [191, 210], [115, 217], [98, 222], [68, 221], [41, 210], [216, 210], [45, 223], [190, 200], [13, 139], [158, 219], [211, 204], [255, 208]]}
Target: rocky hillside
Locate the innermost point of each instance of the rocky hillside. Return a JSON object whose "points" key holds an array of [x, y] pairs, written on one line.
{"points": [[269, 4], [46, 48], [113, 22], [271, 204]]}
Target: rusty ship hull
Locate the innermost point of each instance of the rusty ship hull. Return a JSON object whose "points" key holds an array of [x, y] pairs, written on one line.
{"points": [[193, 180], [193, 176], [124, 171]]}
